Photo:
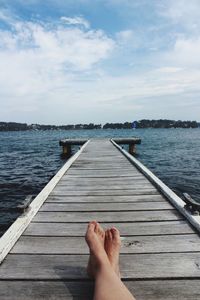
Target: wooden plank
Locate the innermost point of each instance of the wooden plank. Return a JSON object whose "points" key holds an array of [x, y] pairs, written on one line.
{"points": [[91, 180], [133, 266], [106, 166], [123, 184], [102, 172], [128, 216], [106, 206], [100, 154], [96, 160], [40, 290], [120, 183], [165, 289], [107, 187], [109, 162], [77, 245], [103, 184], [72, 142], [104, 199], [126, 229], [102, 157], [66, 290], [127, 141], [122, 192], [102, 175]]}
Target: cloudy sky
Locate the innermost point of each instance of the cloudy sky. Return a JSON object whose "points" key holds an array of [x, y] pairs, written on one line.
{"points": [[71, 61]]}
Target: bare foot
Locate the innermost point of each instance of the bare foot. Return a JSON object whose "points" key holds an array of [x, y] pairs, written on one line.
{"points": [[112, 247], [95, 237]]}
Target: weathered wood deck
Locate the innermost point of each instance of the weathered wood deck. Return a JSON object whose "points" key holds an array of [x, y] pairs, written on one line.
{"points": [[160, 255]]}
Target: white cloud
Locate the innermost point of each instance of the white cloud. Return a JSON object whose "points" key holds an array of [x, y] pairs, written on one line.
{"points": [[43, 63], [182, 12], [169, 70], [185, 53], [76, 21], [3, 16], [180, 9], [81, 49], [33, 48], [125, 35]]}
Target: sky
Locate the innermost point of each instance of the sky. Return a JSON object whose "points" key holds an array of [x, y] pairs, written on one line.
{"points": [[82, 61]]}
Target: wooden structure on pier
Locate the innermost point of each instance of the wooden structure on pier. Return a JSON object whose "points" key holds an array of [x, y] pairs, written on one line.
{"points": [[44, 255], [68, 143]]}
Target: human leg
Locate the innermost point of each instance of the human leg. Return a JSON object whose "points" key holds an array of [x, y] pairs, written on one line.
{"points": [[108, 285]]}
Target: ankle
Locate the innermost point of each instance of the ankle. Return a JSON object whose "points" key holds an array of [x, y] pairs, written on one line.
{"points": [[104, 265], [104, 270]]}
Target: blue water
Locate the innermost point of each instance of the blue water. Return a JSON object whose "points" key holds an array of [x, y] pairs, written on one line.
{"points": [[29, 159]]}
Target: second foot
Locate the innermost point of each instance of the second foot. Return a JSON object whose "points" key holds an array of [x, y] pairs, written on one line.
{"points": [[112, 248]]}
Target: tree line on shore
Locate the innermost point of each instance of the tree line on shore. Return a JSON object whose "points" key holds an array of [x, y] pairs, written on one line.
{"points": [[145, 123], [13, 126], [152, 124]]}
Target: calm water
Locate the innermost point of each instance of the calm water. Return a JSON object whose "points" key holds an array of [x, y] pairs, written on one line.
{"points": [[28, 160]]}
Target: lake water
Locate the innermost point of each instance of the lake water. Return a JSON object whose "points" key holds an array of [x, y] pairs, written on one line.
{"points": [[29, 159]]}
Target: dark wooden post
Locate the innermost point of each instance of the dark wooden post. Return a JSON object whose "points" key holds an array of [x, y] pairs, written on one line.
{"points": [[131, 142], [132, 148], [67, 149], [67, 145]]}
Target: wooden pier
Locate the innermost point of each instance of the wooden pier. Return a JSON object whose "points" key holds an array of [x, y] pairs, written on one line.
{"points": [[44, 255]]}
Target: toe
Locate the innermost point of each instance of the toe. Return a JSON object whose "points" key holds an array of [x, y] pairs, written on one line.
{"points": [[110, 234], [115, 232], [90, 230], [115, 235], [103, 234], [99, 230], [96, 229], [91, 226]]}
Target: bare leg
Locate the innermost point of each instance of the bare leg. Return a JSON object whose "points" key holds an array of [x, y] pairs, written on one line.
{"points": [[108, 285]]}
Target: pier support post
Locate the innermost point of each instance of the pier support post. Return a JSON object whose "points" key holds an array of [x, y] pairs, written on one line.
{"points": [[132, 148], [68, 143], [131, 142], [67, 150]]}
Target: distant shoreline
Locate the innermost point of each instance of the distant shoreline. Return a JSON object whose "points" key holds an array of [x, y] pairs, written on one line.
{"points": [[14, 126]]}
